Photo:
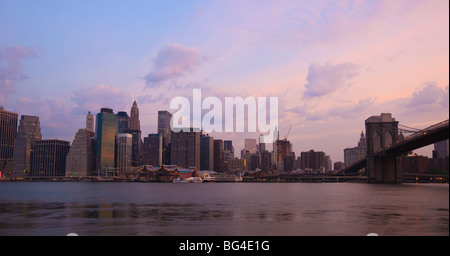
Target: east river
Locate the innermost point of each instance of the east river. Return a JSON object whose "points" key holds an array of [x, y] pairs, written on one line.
{"points": [[223, 209]]}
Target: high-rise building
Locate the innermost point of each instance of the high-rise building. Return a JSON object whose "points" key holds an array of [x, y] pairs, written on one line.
{"points": [[136, 155], [219, 157], [80, 162], [289, 162], [49, 158], [90, 122], [164, 121], [354, 154], [106, 133], [152, 149], [124, 153], [228, 150], [28, 133], [134, 124], [185, 148], [8, 132], [123, 121], [441, 149], [312, 160], [206, 153], [283, 149], [266, 162]]}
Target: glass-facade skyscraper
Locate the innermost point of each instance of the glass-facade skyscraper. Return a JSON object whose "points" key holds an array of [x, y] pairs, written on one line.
{"points": [[106, 131], [29, 131], [8, 131]]}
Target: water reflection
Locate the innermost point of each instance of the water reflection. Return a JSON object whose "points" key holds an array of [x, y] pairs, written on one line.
{"points": [[224, 211]]}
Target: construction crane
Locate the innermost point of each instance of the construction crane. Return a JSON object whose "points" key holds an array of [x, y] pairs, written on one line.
{"points": [[285, 138]]}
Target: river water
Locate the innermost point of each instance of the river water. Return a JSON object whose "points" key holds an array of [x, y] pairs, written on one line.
{"points": [[245, 209]]}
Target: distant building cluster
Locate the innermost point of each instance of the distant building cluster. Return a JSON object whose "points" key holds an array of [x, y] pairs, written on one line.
{"points": [[112, 145]]}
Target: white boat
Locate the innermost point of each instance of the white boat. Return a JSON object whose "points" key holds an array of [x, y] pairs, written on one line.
{"points": [[180, 180], [194, 179], [209, 179]]}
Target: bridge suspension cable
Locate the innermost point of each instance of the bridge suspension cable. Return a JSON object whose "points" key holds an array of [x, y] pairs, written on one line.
{"points": [[407, 129]]}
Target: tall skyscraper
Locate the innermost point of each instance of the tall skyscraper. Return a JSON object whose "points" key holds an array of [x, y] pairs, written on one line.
{"points": [[313, 160], [80, 162], [283, 149], [185, 149], [354, 154], [228, 150], [106, 132], [90, 122], [49, 158], [135, 124], [441, 149], [28, 133], [164, 119], [206, 153], [219, 156], [266, 162], [8, 132], [152, 149], [124, 153], [124, 121]]}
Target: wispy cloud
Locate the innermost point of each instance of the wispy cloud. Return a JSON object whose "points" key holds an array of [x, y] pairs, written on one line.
{"points": [[11, 67], [327, 78], [172, 61]]}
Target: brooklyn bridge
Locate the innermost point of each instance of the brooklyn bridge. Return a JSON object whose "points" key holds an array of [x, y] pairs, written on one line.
{"points": [[385, 147]]}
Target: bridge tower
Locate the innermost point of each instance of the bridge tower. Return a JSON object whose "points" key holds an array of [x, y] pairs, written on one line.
{"points": [[382, 131]]}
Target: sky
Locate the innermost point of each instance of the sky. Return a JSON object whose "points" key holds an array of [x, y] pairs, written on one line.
{"points": [[332, 64]]}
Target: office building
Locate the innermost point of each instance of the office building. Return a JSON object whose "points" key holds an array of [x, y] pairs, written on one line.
{"points": [[49, 158], [152, 149], [283, 149], [314, 161], [90, 122], [185, 149], [441, 149], [206, 153], [134, 124], [28, 133], [124, 153], [80, 162], [219, 156], [164, 128], [123, 121], [106, 134], [8, 132], [228, 150], [266, 162]]}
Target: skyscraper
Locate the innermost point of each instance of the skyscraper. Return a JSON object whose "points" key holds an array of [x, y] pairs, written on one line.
{"points": [[206, 153], [283, 149], [134, 117], [185, 149], [219, 157], [164, 120], [124, 153], [28, 133], [124, 120], [49, 158], [80, 159], [90, 122], [313, 160], [8, 132], [106, 132], [228, 150], [152, 150]]}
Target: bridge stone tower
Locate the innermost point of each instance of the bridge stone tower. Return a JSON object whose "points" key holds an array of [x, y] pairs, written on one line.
{"points": [[381, 131]]}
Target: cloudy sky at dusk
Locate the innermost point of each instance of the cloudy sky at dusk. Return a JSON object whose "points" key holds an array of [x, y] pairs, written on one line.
{"points": [[332, 64]]}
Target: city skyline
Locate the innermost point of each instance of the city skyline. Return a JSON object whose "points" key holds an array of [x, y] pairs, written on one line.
{"points": [[332, 65]]}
